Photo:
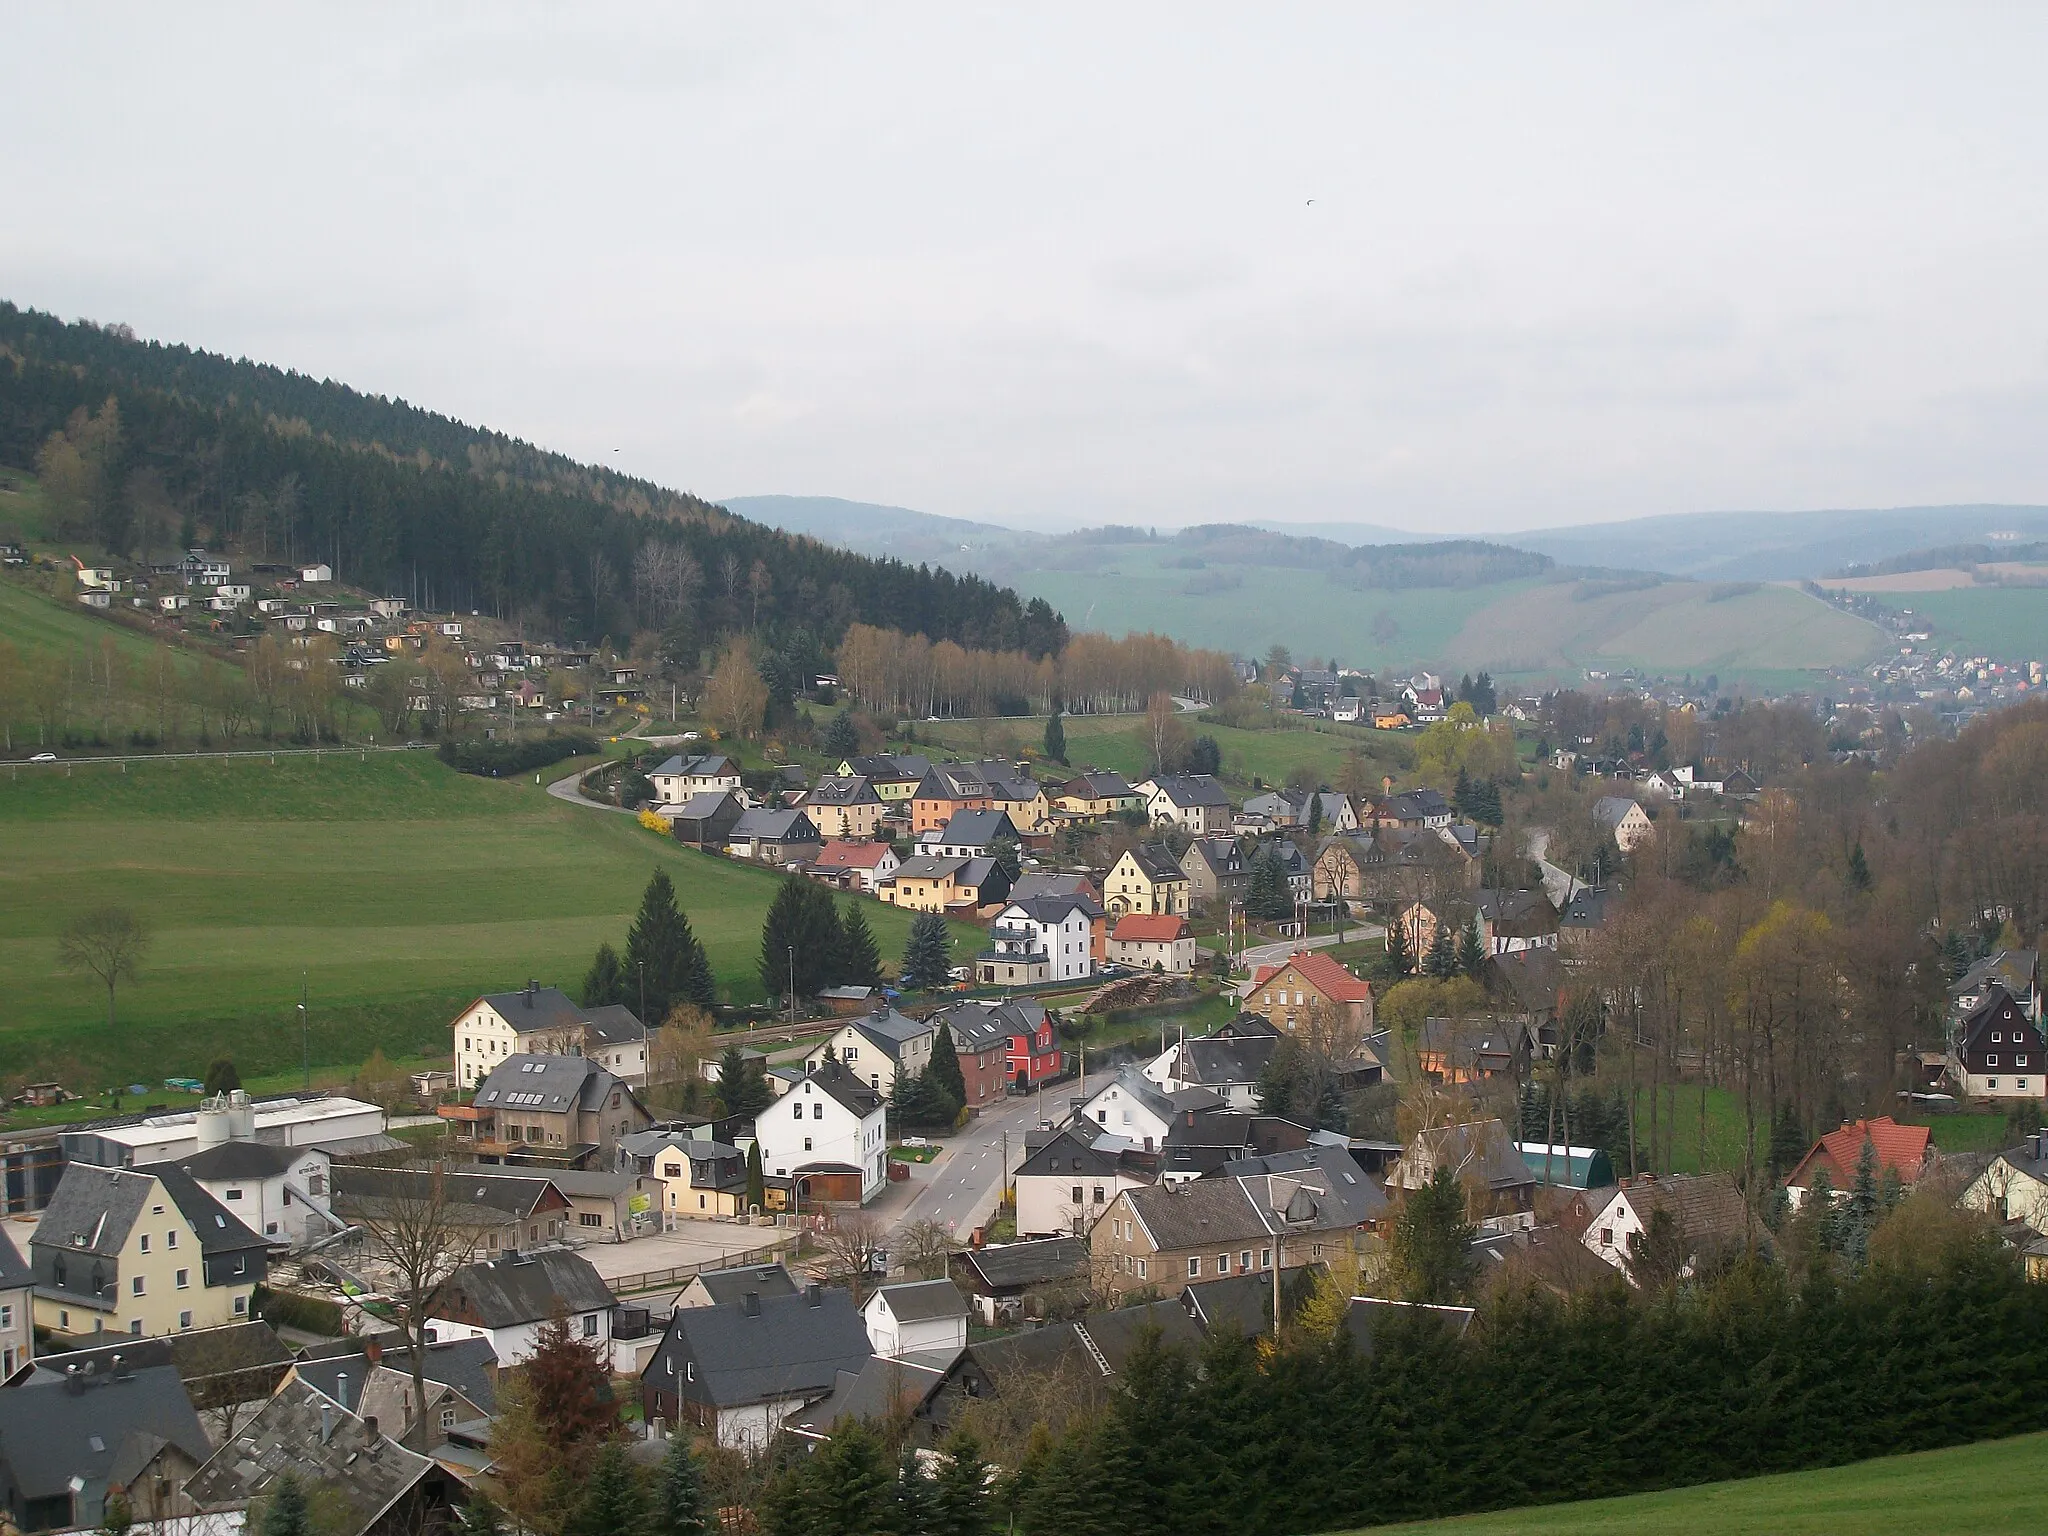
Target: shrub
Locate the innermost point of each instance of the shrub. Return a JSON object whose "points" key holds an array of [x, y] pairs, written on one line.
{"points": [[492, 759], [653, 822]]}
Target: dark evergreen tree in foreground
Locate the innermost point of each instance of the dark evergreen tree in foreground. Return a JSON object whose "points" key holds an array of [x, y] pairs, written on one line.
{"points": [[604, 982], [1471, 949], [1267, 898], [757, 1179], [945, 1064], [1442, 960], [664, 964], [1055, 739], [284, 1512], [802, 946], [612, 1502], [1400, 961], [927, 952], [221, 1076], [842, 739], [1432, 1246], [742, 1088], [860, 958], [843, 1488]]}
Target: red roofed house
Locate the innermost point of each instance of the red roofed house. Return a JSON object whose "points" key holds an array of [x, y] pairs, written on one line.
{"points": [[1149, 943], [1907, 1148], [858, 865], [1284, 993]]}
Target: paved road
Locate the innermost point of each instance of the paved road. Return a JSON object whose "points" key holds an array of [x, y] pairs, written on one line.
{"points": [[565, 789], [1274, 954], [959, 1190]]}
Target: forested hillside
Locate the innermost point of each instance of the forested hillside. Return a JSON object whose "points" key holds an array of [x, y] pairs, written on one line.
{"points": [[143, 445]]}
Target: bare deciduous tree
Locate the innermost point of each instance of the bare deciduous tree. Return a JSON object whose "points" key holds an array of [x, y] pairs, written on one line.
{"points": [[109, 943], [853, 1244]]}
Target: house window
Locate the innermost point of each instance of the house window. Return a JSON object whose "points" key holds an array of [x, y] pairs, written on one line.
{"points": [[1990, 1061], [807, 1143], [818, 1111], [134, 1326], [184, 1280], [135, 1286], [234, 1194], [1141, 1269], [590, 1325], [1991, 1084], [241, 1306], [1098, 1194], [589, 1219], [1077, 1194], [447, 1418], [2020, 1083], [1244, 1262], [799, 1110], [1194, 1269], [145, 1242], [170, 1239], [1607, 1237], [184, 1320]]}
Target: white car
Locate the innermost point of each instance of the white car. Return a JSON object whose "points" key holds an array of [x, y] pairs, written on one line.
{"points": [[44, 757]]}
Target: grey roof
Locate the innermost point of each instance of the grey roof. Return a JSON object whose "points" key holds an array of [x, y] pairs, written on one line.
{"points": [[522, 1288], [1417, 804], [1070, 1150], [1131, 1080], [1200, 1213], [1098, 784], [973, 1026], [1156, 863], [498, 1189], [1706, 1207], [2013, 969], [101, 1431], [544, 1008], [613, 1024], [1482, 1147], [706, 804], [217, 1230], [1221, 854], [14, 1270], [1191, 789], [1591, 907], [1232, 1059], [928, 866], [470, 1366], [93, 1209], [775, 827], [725, 1286], [303, 1431], [550, 1084], [1037, 884], [852, 790], [1609, 809], [892, 1031], [205, 1359], [1345, 1196], [895, 767], [714, 765], [1052, 909], [1116, 1334], [793, 1346], [979, 872], [599, 1183], [833, 1078], [240, 1160], [1367, 1314], [881, 1389], [917, 1301], [975, 829], [1014, 1266], [1500, 906]]}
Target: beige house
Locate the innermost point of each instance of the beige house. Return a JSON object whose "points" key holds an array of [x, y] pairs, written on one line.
{"points": [[1146, 880], [1153, 943], [844, 808], [1095, 794], [1624, 820], [17, 1309], [540, 1021], [141, 1251]]}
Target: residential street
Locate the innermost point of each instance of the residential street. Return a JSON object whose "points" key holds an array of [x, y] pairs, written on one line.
{"points": [[1274, 954], [959, 1190]]}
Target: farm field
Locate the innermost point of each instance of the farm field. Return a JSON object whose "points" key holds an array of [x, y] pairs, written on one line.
{"points": [[1990, 1489], [395, 888], [2006, 622]]}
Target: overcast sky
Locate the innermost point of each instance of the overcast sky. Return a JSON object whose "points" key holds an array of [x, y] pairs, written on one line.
{"points": [[1562, 263]]}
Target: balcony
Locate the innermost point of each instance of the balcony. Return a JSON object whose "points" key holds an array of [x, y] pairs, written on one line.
{"points": [[1015, 956]]}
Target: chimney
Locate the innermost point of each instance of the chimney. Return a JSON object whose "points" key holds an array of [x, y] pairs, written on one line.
{"points": [[370, 1436], [814, 1295], [326, 1422], [340, 1391], [373, 1349], [750, 1304]]}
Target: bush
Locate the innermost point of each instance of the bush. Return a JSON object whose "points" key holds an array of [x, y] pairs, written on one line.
{"points": [[493, 759], [654, 823], [295, 1309]]}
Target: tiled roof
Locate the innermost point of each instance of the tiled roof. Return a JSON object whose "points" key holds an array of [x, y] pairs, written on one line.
{"points": [[1903, 1147], [922, 1300], [790, 1346], [1156, 864], [1138, 928], [1188, 789], [1320, 972], [539, 1008], [775, 827], [613, 1024], [1705, 1206], [521, 1288], [853, 790], [844, 853], [1002, 1266]]}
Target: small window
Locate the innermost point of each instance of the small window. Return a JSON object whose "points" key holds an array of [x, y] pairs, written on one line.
{"points": [[807, 1143], [818, 1111], [1244, 1262], [1990, 1061], [447, 1418], [1077, 1194], [170, 1239], [241, 1306], [144, 1240], [234, 1194], [1607, 1237], [184, 1280], [184, 1320], [135, 1286], [1194, 1269], [134, 1326], [590, 1325]]}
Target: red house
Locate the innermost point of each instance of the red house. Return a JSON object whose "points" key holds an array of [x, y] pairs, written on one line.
{"points": [[1906, 1150], [1002, 1047]]}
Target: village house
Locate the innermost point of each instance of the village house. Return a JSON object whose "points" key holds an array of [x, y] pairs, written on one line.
{"points": [[727, 1287], [895, 777], [1286, 993], [1193, 801], [1623, 820], [778, 837], [705, 820], [1228, 1062], [1218, 872], [1707, 1214], [1130, 1105], [2016, 970], [916, 1317], [616, 1040], [1455, 1052], [68, 1441], [1153, 944], [969, 835], [949, 788], [1424, 809], [539, 1021], [17, 1310], [2014, 1185], [495, 1212], [677, 778], [141, 1251], [880, 1048], [563, 1110], [1095, 794], [826, 1137], [1167, 1235], [739, 1370], [1070, 1174], [371, 1377], [1398, 864], [699, 1177], [863, 866], [844, 807], [1500, 1191], [1902, 1151], [1006, 1283], [1001, 1044], [1999, 1050], [1586, 915], [1515, 920], [1039, 939], [509, 1299], [279, 1191], [1146, 879], [957, 886]]}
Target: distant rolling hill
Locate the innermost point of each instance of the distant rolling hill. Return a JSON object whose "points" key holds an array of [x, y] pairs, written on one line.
{"points": [[871, 529]]}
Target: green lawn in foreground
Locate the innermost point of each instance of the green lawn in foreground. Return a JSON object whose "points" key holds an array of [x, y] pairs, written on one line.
{"points": [[1990, 1489], [396, 887]]}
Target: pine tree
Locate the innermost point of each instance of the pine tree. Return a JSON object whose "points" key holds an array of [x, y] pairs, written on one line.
{"points": [[1315, 813], [757, 1179], [612, 1503], [1442, 960], [602, 983], [1860, 1217], [1461, 795], [284, 1512], [960, 1501], [115, 1515], [1859, 868], [800, 939], [920, 1099], [842, 739], [945, 1065], [1955, 956], [1788, 1141], [927, 951], [222, 1076], [663, 955], [1471, 950], [860, 959], [1003, 849], [1827, 1219], [679, 1507], [1399, 961], [1267, 897], [741, 1087], [1431, 1249], [844, 1488], [910, 1497], [1055, 739]]}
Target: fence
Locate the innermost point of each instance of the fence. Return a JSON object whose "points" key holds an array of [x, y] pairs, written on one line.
{"points": [[682, 1274]]}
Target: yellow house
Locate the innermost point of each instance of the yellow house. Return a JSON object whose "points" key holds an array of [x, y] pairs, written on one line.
{"points": [[845, 807], [1094, 795], [1146, 880], [143, 1252], [929, 884], [895, 776], [698, 1179]]}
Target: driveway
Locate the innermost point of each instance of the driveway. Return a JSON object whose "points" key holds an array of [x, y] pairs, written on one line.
{"points": [[566, 789]]}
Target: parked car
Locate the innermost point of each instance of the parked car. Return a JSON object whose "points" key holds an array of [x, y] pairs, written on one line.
{"points": [[44, 757]]}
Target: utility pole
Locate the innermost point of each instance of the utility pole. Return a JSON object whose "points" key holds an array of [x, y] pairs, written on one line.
{"points": [[1003, 1174], [641, 965], [305, 1038], [792, 986]]}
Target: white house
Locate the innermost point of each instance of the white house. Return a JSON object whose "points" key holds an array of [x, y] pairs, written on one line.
{"points": [[1130, 1106], [2014, 1186], [738, 1370], [1192, 800], [678, 778], [877, 1047], [1707, 1214], [1152, 943], [1624, 819], [281, 1192], [917, 1317], [1069, 1178], [1228, 1062], [540, 1021], [172, 602], [1041, 938], [508, 1300], [829, 1121], [316, 573]]}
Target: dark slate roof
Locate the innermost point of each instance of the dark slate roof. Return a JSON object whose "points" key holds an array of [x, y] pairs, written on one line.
{"points": [[240, 1160], [917, 1301], [523, 1288], [974, 1026], [1231, 1059], [979, 873], [1528, 979], [714, 765], [893, 767], [1517, 907], [470, 1366], [891, 1031], [1013, 1266], [1345, 1195], [1479, 1147], [1222, 855], [1191, 789], [882, 1389], [1116, 1334], [975, 829], [1038, 884], [14, 1270], [932, 866], [1368, 1314], [290, 1433], [1156, 863], [196, 1356], [1072, 1150], [1200, 1213], [775, 827], [613, 1024], [550, 1084], [101, 1432], [545, 1008], [851, 790], [219, 1232], [1052, 910], [795, 1346], [514, 1193], [93, 1209], [707, 804], [1591, 907], [1098, 784], [2013, 969], [832, 1077], [725, 1286]]}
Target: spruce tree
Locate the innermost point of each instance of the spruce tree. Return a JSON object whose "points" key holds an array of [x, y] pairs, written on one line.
{"points": [[1864, 1208], [860, 959], [1003, 849], [1399, 961], [1267, 897], [1788, 1141], [842, 739], [1315, 813], [945, 1065], [910, 1497], [742, 1089], [800, 939], [284, 1512], [1432, 1250], [1055, 739], [757, 1179], [1471, 950], [927, 951], [602, 983], [611, 1503], [679, 1504], [1859, 868], [115, 1516], [1442, 960], [659, 963], [959, 1500], [696, 983]]}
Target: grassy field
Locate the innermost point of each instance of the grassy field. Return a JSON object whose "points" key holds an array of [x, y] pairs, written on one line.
{"points": [[21, 505], [2009, 623], [1952, 1133], [394, 887], [1118, 742], [1990, 1489]]}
